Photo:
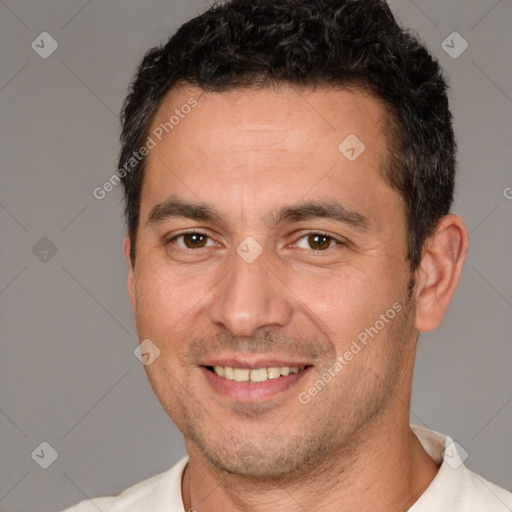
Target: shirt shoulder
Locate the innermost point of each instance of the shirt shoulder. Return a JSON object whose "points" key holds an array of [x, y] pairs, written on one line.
{"points": [[484, 495], [455, 487], [161, 492]]}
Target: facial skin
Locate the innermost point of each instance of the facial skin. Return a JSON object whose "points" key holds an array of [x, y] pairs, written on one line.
{"points": [[247, 155]]}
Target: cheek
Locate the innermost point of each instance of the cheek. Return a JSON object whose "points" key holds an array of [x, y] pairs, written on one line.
{"points": [[171, 305], [162, 299], [344, 303]]}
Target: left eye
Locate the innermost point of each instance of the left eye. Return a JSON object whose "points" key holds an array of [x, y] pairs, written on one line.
{"points": [[317, 241], [192, 240]]}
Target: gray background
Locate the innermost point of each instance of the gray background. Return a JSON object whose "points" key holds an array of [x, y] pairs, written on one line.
{"points": [[68, 373]]}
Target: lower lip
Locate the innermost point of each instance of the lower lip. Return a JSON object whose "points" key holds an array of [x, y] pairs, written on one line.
{"points": [[252, 391]]}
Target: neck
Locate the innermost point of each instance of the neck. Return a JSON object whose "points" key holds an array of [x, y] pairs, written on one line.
{"points": [[388, 470]]}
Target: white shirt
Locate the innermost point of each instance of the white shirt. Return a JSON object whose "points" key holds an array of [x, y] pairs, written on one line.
{"points": [[454, 489]]}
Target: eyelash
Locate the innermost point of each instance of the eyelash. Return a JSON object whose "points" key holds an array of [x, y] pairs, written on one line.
{"points": [[201, 232], [193, 232]]}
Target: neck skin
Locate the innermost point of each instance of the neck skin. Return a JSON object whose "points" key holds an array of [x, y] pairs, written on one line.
{"points": [[385, 468]]}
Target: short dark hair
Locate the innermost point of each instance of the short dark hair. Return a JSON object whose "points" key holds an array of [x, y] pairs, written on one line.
{"points": [[346, 44]]}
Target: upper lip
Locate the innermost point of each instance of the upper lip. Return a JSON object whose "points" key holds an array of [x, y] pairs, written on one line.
{"points": [[253, 363]]}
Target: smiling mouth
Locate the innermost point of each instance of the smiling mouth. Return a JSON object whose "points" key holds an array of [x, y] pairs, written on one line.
{"points": [[254, 374]]}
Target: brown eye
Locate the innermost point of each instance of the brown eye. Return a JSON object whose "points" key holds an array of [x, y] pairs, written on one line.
{"points": [[318, 241], [192, 240]]}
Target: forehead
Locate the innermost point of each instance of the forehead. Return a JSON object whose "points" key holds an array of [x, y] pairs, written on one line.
{"points": [[282, 143], [274, 118]]}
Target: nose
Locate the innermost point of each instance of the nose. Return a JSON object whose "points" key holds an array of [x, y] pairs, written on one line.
{"points": [[250, 297]]}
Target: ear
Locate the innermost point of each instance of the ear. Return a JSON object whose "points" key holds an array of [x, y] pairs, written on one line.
{"points": [[131, 276], [439, 272]]}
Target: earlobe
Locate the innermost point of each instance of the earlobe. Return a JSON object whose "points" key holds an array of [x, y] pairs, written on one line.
{"points": [[131, 271], [439, 272]]}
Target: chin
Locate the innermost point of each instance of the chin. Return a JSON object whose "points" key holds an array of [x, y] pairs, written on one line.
{"points": [[270, 459]]}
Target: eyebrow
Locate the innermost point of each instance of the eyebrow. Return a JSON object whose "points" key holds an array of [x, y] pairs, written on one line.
{"points": [[174, 208], [333, 210]]}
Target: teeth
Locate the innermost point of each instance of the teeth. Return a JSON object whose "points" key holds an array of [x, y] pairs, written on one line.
{"points": [[273, 373], [241, 374], [256, 374], [259, 375]]}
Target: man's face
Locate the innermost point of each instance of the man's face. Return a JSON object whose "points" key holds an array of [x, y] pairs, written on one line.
{"points": [[265, 282]]}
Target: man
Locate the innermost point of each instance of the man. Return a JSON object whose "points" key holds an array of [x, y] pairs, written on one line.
{"points": [[288, 169]]}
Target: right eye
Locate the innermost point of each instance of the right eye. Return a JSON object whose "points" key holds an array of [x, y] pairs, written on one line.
{"points": [[192, 240]]}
